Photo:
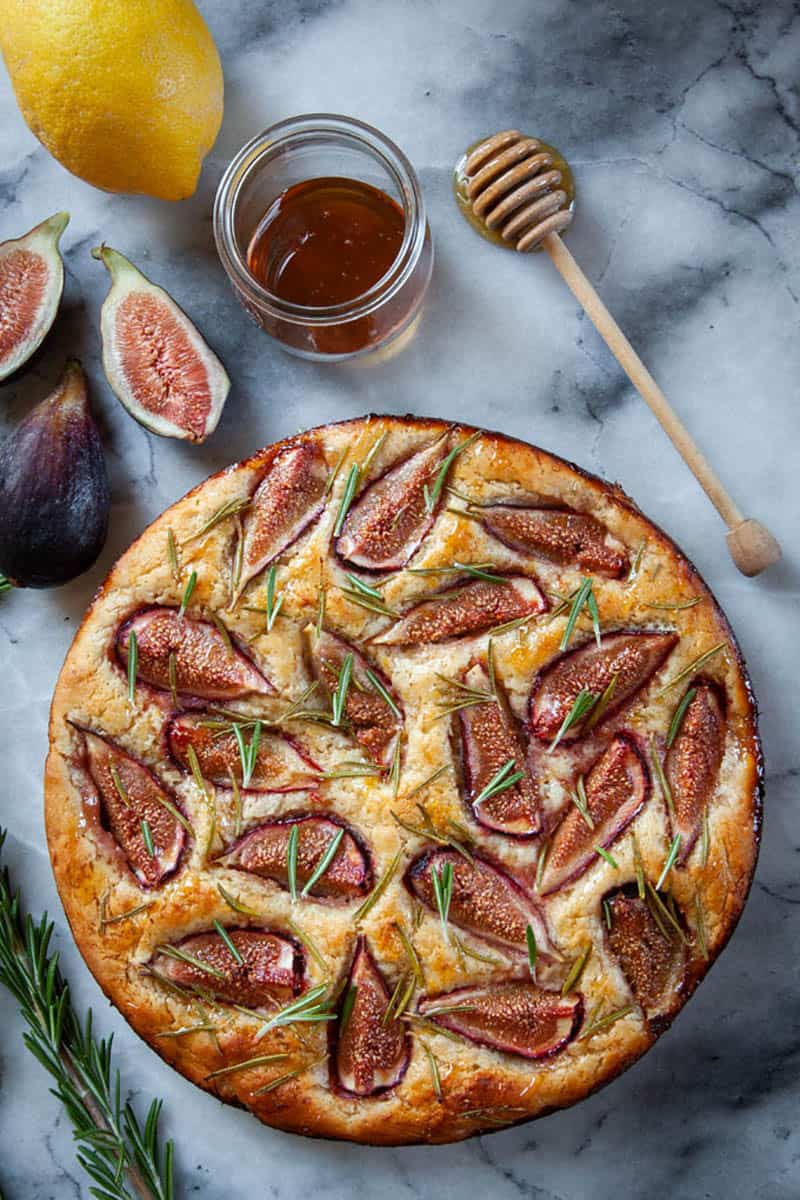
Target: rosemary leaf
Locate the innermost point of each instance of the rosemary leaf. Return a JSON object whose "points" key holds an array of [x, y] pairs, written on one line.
{"points": [[276, 1083], [581, 599], [359, 585], [678, 715], [133, 666], [310, 945], [692, 667], [674, 848], [442, 880], [324, 863], [432, 495], [504, 779], [147, 837], [118, 918], [223, 633], [380, 887], [248, 753], [700, 926], [411, 954], [306, 1009], [339, 697], [581, 705], [291, 862], [415, 791], [704, 839], [373, 452], [581, 802], [490, 959], [487, 571], [658, 771], [576, 970], [368, 602], [383, 693], [347, 1007], [607, 913], [541, 862], [172, 556], [235, 903], [434, 1069], [347, 498], [638, 867], [679, 607], [187, 594], [612, 862], [530, 938], [606, 697], [260, 1060], [594, 1026], [637, 562], [334, 472], [226, 937], [321, 598], [172, 671], [229, 509], [191, 960]]}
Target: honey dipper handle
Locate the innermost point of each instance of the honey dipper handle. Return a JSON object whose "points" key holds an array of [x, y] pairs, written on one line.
{"points": [[752, 547]]}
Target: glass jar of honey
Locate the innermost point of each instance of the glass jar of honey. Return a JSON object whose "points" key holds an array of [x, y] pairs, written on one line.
{"points": [[321, 228]]}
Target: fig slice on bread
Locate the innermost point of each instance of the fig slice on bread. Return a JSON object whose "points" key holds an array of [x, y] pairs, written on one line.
{"points": [[514, 1017], [694, 759], [369, 1053], [616, 789], [263, 851], [629, 657], [465, 611], [560, 535], [650, 953], [205, 666], [282, 763], [136, 809], [266, 967]]}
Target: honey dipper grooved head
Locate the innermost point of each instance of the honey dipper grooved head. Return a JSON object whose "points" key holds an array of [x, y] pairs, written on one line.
{"points": [[517, 187]]}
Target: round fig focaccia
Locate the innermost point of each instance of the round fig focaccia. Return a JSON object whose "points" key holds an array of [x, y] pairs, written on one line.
{"points": [[404, 782]]}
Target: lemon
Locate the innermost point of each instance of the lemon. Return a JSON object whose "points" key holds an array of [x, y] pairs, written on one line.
{"points": [[126, 94]]}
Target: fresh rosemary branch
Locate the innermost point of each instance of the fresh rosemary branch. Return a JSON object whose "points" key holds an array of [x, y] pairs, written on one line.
{"points": [[122, 1157], [583, 702]]}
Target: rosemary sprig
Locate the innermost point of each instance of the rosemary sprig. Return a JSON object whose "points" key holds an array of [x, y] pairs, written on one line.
{"points": [[411, 954], [581, 802], [607, 695], [208, 798], [248, 752], [470, 952], [238, 804], [693, 666], [612, 862], [353, 769], [607, 914], [347, 498], [432, 495], [487, 571], [442, 881], [455, 836], [462, 696], [373, 452], [678, 715], [436, 1077], [187, 594], [323, 863], [594, 1026], [229, 945], [365, 601], [191, 960], [260, 1060], [172, 671], [133, 666], [273, 606], [229, 509], [575, 971], [301, 1070], [310, 945], [147, 837], [358, 585], [662, 915], [658, 771], [399, 999], [339, 697], [172, 556], [394, 770], [530, 938], [583, 702], [122, 1157], [309, 1008], [638, 867], [291, 862], [637, 562], [104, 919], [235, 903], [415, 791], [504, 779], [347, 1007], [704, 839], [679, 607], [380, 887], [674, 849], [584, 597], [383, 693]]}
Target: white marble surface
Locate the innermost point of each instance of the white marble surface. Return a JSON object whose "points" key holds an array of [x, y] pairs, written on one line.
{"points": [[682, 122]]}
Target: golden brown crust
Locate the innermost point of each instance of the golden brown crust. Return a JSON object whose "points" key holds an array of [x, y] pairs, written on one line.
{"points": [[481, 1088]]}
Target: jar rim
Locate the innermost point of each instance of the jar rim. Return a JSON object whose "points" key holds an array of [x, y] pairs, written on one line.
{"points": [[298, 130]]}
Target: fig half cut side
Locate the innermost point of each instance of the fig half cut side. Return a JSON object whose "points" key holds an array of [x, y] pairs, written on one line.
{"points": [[650, 953], [629, 657], [282, 763], [572, 539], [287, 501], [31, 283], [264, 852], [693, 761], [617, 788], [386, 525], [136, 809], [465, 611], [268, 966], [156, 361], [514, 1017], [205, 666], [369, 1055]]}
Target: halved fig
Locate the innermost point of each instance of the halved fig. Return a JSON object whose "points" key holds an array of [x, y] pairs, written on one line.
{"points": [[485, 901], [263, 852], [369, 1055], [288, 500], [272, 966], [489, 738], [205, 667], [134, 807], [389, 520], [282, 763], [516, 1017], [375, 724], [617, 788], [632, 656], [572, 539], [160, 368], [465, 611], [652, 961], [31, 283], [693, 761]]}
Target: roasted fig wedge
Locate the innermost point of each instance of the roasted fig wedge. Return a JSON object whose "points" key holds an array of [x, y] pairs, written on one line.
{"points": [[374, 721], [272, 966], [485, 901], [31, 283], [369, 1054], [631, 658], [389, 520], [465, 611], [288, 500], [651, 955], [571, 539], [489, 738], [53, 489], [264, 852], [693, 761], [136, 809], [204, 666], [157, 363], [282, 764], [515, 1017], [617, 788]]}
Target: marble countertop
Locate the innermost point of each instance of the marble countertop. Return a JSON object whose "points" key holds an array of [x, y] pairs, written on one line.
{"points": [[682, 122]]}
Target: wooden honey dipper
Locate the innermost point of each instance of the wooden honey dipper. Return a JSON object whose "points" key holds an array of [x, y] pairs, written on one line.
{"points": [[518, 191]]}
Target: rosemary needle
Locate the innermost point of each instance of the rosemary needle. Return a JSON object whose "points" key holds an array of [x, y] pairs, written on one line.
{"points": [[679, 714], [323, 863], [187, 595], [674, 848], [133, 666]]}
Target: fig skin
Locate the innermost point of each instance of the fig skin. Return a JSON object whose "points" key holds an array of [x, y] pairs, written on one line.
{"points": [[31, 286], [54, 492]]}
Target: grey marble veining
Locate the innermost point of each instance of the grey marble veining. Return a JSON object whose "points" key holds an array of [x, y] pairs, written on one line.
{"points": [[682, 121]]}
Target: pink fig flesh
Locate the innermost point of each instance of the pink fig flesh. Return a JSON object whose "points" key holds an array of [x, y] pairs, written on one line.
{"points": [[516, 1017], [569, 538], [282, 764], [263, 852], [288, 500], [693, 762], [485, 901], [651, 957], [387, 523], [31, 283], [271, 968], [632, 657], [204, 665], [369, 1054], [133, 800], [489, 738], [465, 611], [617, 788], [375, 724]]}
